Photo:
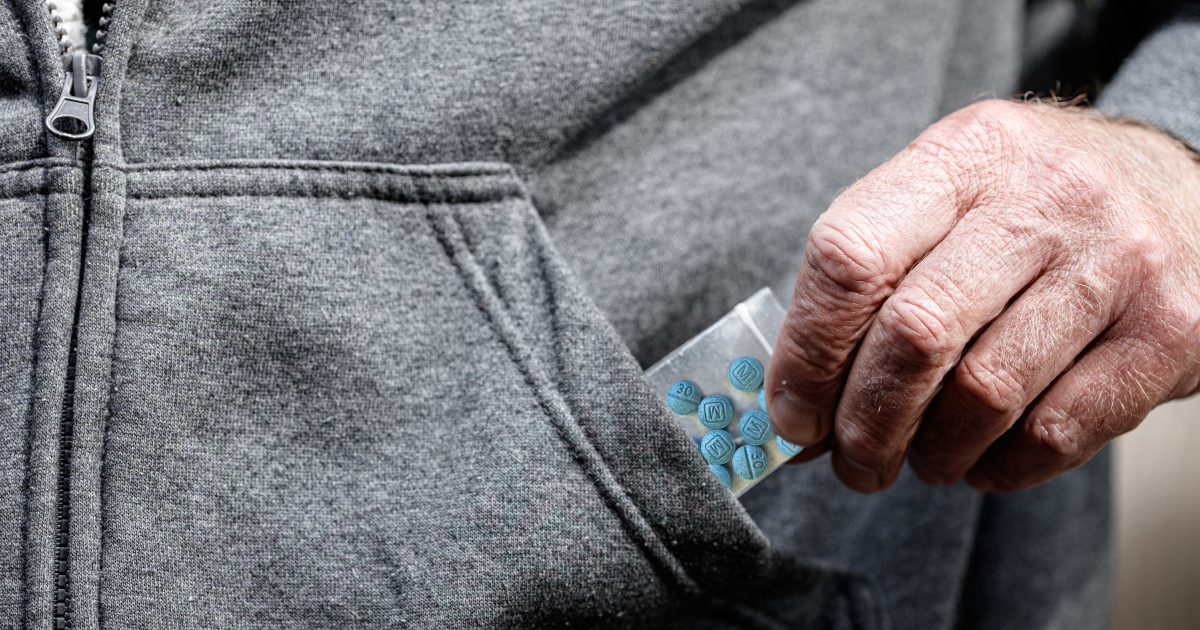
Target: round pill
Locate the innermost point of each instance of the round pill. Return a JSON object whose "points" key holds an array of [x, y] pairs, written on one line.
{"points": [[717, 447], [750, 462], [716, 412], [755, 427], [787, 448], [683, 397], [722, 474], [746, 374], [762, 399]]}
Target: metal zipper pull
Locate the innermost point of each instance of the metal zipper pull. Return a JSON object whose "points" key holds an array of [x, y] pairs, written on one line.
{"points": [[72, 117]]}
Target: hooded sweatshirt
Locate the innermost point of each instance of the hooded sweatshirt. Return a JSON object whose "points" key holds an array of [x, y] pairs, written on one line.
{"points": [[339, 318]]}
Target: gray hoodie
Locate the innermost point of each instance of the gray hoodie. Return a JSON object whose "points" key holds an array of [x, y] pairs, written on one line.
{"points": [[339, 319]]}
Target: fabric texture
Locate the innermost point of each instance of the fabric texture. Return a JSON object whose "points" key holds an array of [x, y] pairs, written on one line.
{"points": [[361, 295], [1158, 84]]}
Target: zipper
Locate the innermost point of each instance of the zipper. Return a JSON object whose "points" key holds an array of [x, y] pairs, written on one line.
{"points": [[73, 116], [62, 599], [73, 119]]}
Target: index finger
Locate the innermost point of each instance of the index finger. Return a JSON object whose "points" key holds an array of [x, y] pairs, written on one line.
{"points": [[857, 253]]}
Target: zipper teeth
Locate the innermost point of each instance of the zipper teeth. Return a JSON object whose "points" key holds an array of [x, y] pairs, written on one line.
{"points": [[62, 613], [62, 595], [64, 41], [102, 24], [62, 599]]}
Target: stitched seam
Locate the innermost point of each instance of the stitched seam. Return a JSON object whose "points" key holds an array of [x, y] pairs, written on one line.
{"points": [[480, 169], [39, 189], [37, 378], [755, 618], [104, 436], [18, 167], [504, 183], [609, 490], [36, 358], [394, 198], [492, 187]]}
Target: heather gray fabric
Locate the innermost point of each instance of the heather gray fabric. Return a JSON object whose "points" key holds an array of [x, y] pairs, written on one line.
{"points": [[20, 116], [1158, 83], [32, 198], [366, 290]]}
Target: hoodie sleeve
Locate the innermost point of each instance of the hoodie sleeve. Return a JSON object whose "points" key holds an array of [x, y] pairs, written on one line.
{"points": [[1160, 82]]}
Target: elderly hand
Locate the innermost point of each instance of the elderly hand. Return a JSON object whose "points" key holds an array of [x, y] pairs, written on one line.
{"points": [[1014, 289]]}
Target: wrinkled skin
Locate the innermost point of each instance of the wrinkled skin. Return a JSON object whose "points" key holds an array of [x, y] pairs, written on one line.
{"points": [[1017, 287]]}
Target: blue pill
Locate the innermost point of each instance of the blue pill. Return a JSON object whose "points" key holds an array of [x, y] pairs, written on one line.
{"points": [[762, 399], [722, 474], [787, 448], [755, 427], [750, 462], [683, 397], [717, 447], [746, 374], [716, 412]]}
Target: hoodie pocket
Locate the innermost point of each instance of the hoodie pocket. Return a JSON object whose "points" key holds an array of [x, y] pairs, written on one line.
{"points": [[350, 393]]}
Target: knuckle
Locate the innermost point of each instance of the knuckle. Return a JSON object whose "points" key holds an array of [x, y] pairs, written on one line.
{"points": [[1023, 225], [918, 331], [1057, 437], [865, 442], [1165, 317], [1073, 181], [1090, 295], [847, 266], [984, 377], [1144, 372], [1142, 246], [816, 365], [1176, 322]]}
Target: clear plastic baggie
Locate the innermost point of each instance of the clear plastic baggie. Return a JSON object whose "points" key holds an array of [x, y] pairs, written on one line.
{"points": [[749, 330]]}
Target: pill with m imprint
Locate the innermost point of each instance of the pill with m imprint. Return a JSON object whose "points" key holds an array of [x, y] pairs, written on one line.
{"points": [[717, 447], [715, 412], [746, 374], [755, 427]]}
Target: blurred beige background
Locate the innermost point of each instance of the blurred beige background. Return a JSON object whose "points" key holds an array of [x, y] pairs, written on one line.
{"points": [[1157, 486]]}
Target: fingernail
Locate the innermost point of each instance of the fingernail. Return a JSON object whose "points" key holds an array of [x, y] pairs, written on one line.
{"points": [[857, 476], [795, 419]]}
